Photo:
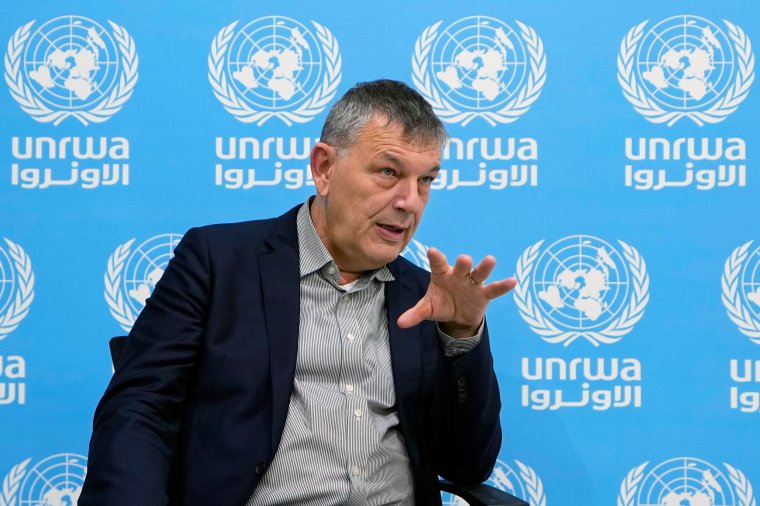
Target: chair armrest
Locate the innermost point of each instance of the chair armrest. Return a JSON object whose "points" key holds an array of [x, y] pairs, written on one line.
{"points": [[481, 495]]}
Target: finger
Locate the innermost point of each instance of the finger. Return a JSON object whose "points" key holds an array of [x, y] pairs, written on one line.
{"points": [[462, 266], [438, 262], [499, 288], [420, 312], [484, 269]]}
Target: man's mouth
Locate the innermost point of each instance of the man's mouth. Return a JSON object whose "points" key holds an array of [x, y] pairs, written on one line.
{"points": [[391, 232], [391, 228]]}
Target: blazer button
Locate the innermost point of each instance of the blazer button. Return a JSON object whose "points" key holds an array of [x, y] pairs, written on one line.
{"points": [[463, 388], [261, 467]]}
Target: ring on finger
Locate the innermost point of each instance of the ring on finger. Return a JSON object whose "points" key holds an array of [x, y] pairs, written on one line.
{"points": [[475, 282]]}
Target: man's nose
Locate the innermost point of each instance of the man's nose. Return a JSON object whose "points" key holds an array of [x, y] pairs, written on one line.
{"points": [[408, 197]]}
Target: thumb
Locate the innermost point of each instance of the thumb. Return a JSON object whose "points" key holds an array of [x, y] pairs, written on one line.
{"points": [[413, 316]]}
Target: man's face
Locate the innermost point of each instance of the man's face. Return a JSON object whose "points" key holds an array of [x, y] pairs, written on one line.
{"points": [[372, 195]]}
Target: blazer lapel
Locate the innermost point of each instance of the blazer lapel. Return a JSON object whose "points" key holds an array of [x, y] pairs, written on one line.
{"points": [[406, 348], [280, 280]]}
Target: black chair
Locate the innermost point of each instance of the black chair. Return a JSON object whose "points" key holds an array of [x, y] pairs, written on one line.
{"points": [[477, 495]]}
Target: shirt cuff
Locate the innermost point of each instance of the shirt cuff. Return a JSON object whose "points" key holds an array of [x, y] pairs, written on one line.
{"points": [[453, 346]]}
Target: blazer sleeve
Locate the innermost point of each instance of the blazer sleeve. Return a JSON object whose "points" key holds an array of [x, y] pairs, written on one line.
{"points": [[467, 407], [138, 421]]}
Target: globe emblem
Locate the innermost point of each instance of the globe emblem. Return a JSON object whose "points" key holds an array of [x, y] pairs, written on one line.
{"points": [[750, 284], [145, 266], [7, 282], [55, 481], [685, 63], [479, 63], [685, 481], [502, 477], [71, 63], [581, 282], [274, 63], [416, 252]]}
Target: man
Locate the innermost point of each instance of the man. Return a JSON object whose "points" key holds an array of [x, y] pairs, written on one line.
{"points": [[298, 360]]}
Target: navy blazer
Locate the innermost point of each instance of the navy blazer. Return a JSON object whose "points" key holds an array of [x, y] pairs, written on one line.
{"points": [[195, 412]]}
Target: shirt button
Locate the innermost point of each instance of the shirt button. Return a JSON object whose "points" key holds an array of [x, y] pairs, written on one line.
{"points": [[331, 270], [355, 470], [349, 387], [358, 413], [346, 298], [350, 337]]}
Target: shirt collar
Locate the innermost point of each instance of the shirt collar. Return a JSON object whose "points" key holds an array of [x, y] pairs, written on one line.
{"points": [[314, 256]]}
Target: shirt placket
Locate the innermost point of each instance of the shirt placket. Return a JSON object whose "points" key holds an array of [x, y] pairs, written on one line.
{"points": [[357, 421]]}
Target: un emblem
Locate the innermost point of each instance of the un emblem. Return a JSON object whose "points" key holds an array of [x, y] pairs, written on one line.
{"points": [[71, 67], [741, 290], [685, 480], [416, 252], [274, 67], [16, 287], [526, 485], [131, 276], [54, 481], [581, 286], [479, 67], [686, 67]]}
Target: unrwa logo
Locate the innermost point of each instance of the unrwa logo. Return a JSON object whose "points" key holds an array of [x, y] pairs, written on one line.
{"points": [[686, 67], [16, 286], [71, 66], [274, 67], [132, 275], [685, 480], [54, 481], [581, 287], [741, 290], [479, 67]]}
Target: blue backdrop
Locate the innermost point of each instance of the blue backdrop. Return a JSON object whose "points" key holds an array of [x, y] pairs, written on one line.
{"points": [[602, 152]]}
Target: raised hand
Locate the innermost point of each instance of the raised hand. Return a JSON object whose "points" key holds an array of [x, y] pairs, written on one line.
{"points": [[457, 296]]}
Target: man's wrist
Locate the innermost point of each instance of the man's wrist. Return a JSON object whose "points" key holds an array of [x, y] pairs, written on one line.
{"points": [[453, 346], [459, 331]]}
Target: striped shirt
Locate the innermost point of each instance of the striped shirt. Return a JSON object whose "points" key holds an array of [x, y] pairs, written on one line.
{"points": [[342, 443]]}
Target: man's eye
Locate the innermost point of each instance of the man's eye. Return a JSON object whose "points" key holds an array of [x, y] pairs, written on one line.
{"points": [[426, 180], [387, 171]]}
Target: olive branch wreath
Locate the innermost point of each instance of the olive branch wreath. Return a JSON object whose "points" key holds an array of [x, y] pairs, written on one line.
{"points": [[12, 482], [630, 484], [536, 496], [118, 307], [738, 312], [419, 254], [549, 332], [22, 300], [637, 95], [32, 105], [515, 108], [225, 92]]}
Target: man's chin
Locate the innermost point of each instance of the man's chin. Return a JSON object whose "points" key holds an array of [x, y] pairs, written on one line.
{"points": [[385, 256]]}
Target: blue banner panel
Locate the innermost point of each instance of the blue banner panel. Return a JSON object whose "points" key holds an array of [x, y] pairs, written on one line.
{"points": [[603, 152]]}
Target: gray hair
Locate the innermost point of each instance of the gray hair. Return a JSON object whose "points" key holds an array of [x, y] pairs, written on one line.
{"points": [[392, 100]]}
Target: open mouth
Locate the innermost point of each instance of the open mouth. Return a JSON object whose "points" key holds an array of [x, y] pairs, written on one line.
{"points": [[390, 232], [391, 228]]}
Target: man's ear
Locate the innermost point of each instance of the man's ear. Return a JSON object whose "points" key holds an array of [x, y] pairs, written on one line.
{"points": [[323, 158]]}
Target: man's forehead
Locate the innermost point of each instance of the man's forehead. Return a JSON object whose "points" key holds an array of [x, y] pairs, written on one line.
{"points": [[380, 131], [399, 158]]}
